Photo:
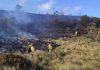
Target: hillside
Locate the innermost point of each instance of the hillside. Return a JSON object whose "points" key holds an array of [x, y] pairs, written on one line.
{"points": [[79, 53], [75, 41], [17, 23]]}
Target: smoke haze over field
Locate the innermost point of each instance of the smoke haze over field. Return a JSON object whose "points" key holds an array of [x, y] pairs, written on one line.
{"points": [[18, 23], [15, 24]]}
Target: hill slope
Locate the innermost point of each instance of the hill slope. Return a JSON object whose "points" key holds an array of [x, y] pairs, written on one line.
{"points": [[79, 53], [15, 23]]}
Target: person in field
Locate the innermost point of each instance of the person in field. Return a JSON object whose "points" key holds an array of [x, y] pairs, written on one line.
{"points": [[76, 33], [31, 49], [49, 46]]}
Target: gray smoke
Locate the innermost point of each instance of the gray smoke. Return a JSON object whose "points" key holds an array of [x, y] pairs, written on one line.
{"points": [[16, 23]]}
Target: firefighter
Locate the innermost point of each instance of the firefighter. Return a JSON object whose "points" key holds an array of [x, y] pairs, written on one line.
{"points": [[49, 46], [31, 49], [76, 33]]}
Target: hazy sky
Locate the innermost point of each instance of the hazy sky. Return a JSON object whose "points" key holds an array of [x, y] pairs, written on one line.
{"points": [[75, 7]]}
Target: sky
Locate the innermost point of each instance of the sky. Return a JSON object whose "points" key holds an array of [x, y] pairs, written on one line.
{"points": [[68, 7]]}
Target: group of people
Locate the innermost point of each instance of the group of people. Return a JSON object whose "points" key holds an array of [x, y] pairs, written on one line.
{"points": [[31, 47]]}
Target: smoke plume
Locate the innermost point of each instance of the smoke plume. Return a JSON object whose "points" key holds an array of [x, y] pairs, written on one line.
{"points": [[22, 2]]}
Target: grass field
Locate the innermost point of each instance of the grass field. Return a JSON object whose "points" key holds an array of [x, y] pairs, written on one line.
{"points": [[79, 53]]}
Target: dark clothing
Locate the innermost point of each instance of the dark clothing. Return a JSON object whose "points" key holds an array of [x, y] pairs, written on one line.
{"points": [[29, 49]]}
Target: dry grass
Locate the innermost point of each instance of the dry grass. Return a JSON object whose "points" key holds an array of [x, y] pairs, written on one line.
{"points": [[78, 53], [15, 62]]}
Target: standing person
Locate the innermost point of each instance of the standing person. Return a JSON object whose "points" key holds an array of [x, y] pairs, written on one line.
{"points": [[31, 48], [76, 33], [49, 47]]}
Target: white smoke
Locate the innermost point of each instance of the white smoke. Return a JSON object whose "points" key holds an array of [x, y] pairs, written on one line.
{"points": [[22, 2], [46, 6]]}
